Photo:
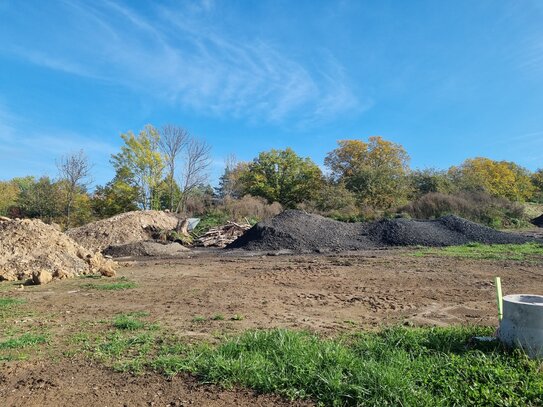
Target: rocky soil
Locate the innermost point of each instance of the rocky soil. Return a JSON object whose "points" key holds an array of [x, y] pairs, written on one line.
{"points": [[129, 227], [31, 249]]}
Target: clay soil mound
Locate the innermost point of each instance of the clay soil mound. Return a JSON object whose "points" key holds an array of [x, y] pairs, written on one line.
{"points": [[33, 249], [302, 232], [122, 229], [144, 249], [538, 221]]}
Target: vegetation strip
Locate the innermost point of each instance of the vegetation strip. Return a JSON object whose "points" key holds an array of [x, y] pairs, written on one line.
{"points": [[398, 366], [519, 252]]}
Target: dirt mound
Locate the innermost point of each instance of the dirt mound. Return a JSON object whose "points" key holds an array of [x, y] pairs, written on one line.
{"points": [[32, 249], [538, 221], [302, 232], [144, 249], [121, 229]]}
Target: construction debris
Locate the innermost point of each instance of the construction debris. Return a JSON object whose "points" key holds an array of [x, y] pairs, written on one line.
{"points": [[222, 236]]}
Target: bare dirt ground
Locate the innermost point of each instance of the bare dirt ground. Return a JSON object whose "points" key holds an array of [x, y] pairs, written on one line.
{"points": [[328, 294]]}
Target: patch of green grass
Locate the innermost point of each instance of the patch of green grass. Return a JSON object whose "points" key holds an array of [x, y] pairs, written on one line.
{"points": [[91, 276], [8, 302], [397, 366], [218, 317], [199, 319], [518, 252], [23, 341], [237, 317], [121, 283], [127, 322], [400, 366], [9, 309]]}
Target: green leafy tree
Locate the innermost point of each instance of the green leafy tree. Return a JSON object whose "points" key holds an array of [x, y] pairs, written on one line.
{"points": [[282, 176], [429, 180], [141, 156], [375, 171], [118, 196], [40, 198], [337, 201]]}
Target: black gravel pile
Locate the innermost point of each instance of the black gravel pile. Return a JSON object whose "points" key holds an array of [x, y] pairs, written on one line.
{"points": [[446, 231], [302, 232], [538, 221]]}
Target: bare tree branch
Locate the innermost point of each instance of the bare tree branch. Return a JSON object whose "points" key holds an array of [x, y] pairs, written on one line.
{"points": [[197, 162], [172, 141]]}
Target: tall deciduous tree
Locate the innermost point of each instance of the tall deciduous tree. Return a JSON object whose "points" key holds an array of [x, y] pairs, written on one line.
{"points": [[141, 157], [375, 170], [74, 172], [195, 172], [282, 176], [229, 180], [173, 139]]}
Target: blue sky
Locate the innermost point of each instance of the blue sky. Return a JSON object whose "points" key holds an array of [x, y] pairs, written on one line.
{"points": [[446, 79]]}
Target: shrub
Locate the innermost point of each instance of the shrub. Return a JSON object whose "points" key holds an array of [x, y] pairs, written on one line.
{"points": [[250, 207]]}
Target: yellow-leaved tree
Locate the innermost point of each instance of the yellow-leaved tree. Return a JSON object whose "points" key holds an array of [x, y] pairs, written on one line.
{"points": [[375, 170], [498, 178]]}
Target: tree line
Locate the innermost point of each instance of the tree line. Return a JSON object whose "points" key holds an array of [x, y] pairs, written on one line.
{"points": [[167, 168]]}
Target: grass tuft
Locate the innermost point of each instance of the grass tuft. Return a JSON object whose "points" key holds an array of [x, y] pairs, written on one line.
{"points": [[23, 341], [128, 323], [121, 284]]}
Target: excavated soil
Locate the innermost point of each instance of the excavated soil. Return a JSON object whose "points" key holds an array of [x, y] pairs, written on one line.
{"points": [[302, 232], [129, 227], [324, 293], [147, 248], [31, 246]]}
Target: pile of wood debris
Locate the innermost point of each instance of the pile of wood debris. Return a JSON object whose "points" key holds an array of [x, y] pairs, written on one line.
{"points": [[221, 236]]}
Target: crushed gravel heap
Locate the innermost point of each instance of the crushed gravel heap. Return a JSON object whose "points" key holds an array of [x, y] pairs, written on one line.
{"points": [[33, 249], [302, 232], [299, 231], [538, 221], [144, 249], [121, 229]]}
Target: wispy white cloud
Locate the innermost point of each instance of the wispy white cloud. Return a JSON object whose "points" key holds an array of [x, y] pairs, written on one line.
{"points": [[175, 56], [25, 150]]}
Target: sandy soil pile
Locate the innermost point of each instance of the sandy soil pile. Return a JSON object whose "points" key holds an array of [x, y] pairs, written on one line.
{"points": [[144, 249], [302, 232], [122, 229], [32, 249]]}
